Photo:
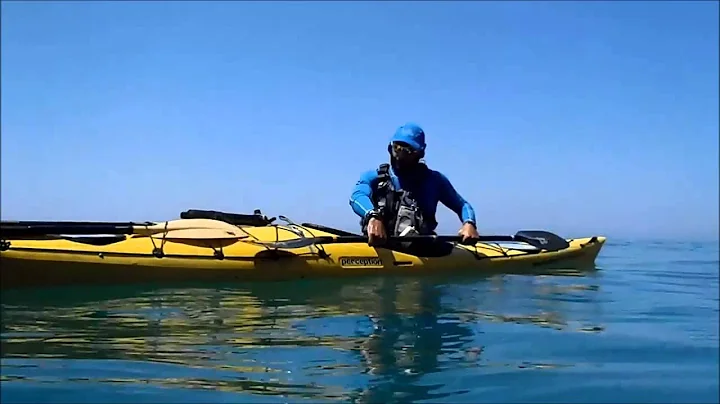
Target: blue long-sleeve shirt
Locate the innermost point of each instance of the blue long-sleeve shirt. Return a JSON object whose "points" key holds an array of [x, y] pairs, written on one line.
{"points": [[433, 189]]}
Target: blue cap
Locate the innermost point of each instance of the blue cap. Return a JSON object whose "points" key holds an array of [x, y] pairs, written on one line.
{"points": [[412, 134]]}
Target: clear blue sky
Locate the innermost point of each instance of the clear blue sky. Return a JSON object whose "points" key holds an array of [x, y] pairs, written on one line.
{"points": [[576, 117]]}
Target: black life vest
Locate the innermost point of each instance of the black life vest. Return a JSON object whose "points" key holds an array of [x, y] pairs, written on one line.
{"points": [[398, 209]]}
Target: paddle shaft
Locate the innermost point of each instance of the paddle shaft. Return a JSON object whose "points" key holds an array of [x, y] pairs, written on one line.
{"points": [[364, 239], [540, 239], [37, 228], [12, 223]]}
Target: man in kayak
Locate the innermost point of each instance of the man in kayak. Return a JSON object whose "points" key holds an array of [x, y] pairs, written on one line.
{"points": [[401, 198]]}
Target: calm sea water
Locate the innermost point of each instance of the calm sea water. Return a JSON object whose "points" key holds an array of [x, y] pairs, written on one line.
{"points": [[643, 328]]}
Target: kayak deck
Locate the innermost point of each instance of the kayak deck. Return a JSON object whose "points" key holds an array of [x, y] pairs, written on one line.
{"points": [[57, 261]]}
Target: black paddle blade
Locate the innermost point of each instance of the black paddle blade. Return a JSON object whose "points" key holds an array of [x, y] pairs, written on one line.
{"points": [[543, 240]]}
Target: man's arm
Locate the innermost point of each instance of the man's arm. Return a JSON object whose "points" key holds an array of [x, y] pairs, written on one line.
{"points": [[360, 200], [454, 201]]}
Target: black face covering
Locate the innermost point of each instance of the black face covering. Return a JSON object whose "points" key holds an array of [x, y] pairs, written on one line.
{"points": [[404, 163], [405, 166]]}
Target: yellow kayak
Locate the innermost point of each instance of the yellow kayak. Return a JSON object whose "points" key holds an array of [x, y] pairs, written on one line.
{"points": [[216, 246]]}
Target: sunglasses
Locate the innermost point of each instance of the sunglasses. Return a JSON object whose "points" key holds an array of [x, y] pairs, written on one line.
{"points": [[403, 149]]}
